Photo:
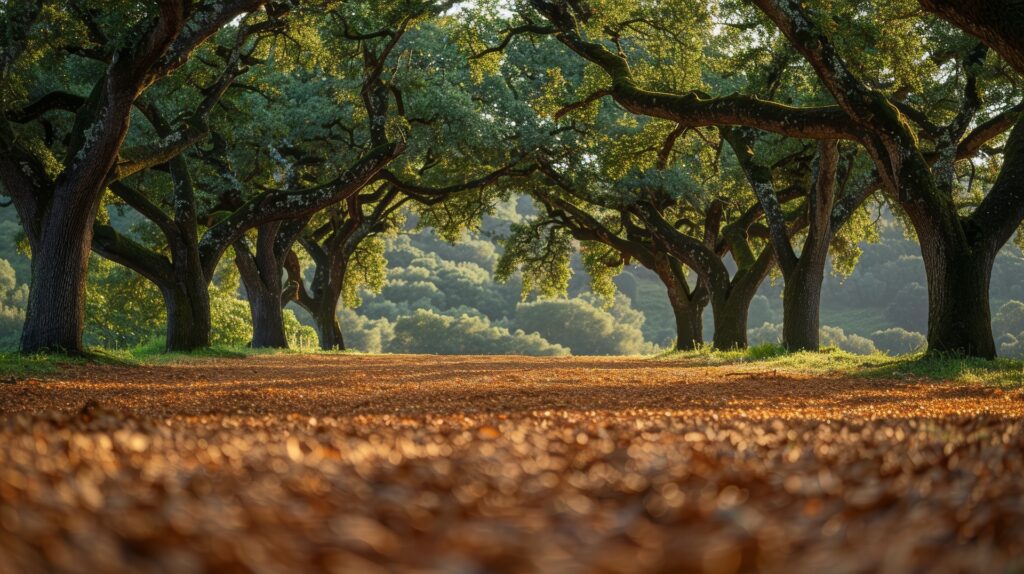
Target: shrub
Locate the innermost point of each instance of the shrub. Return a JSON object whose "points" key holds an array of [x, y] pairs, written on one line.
{"points": [[1011, 346], [898, 341], [13, 300], [766, 334], [585, 328], [301, 337], [836, 337], [1009, 319], [430, 332], [363, 334]]}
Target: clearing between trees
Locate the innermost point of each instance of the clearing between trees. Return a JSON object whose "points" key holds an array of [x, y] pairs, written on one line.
{"points": [[277, 463]]}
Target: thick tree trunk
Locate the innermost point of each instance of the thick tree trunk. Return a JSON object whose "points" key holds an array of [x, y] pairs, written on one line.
{"points": [[323, 305], [959, 318], [801, 302], [687, 306], [188, 301], [958, 255], [55, 319], [730, 316], [261, 274], [329, 330], [730, 309], [188, 319], [264, 294], [267, 319], [689, 326]]}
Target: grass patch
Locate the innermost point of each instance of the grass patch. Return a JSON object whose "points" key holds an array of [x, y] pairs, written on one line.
{"points": [[1004, 373], [161, 357], [14, 364], [152, 353], [18, 365]]}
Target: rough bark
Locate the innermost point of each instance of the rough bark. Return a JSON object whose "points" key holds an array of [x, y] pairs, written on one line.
{"points": [[188, 319], [189, 277], [730, 317], [325, 310], [957, 251], [687, 305], [261, 271], [329, 330], [55, 319], [689, 325], [803, 273], [801, 299], [321, 300], [267, 319], [181, 280], [801, 302], [184, 288], [730, 307], [959, 318], [189, 327]]}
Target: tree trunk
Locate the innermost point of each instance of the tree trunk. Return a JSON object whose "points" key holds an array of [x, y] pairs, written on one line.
{"points": [[959, 318], [730, 316], [331, 262], [188, 319], [730, 309], [689, 326], [55, 319], [687, 306], [328, 280], [329, 329], [801, 302], [261, 272], [264, 292], [188, 307], [267, 319]]}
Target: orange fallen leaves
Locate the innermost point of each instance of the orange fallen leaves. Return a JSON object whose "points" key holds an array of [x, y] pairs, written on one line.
{"points": [[504, 464]]}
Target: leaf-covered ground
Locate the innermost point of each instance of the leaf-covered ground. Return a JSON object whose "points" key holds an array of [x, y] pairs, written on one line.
{"points": [[478, 464]]}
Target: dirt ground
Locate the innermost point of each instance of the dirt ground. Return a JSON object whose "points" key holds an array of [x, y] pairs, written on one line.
{"points": [[504, 464]]}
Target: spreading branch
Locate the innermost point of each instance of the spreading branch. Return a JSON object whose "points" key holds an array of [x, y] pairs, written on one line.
{"points": [[510, 34], [695, 109], [997, 23], [289, 204]]}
